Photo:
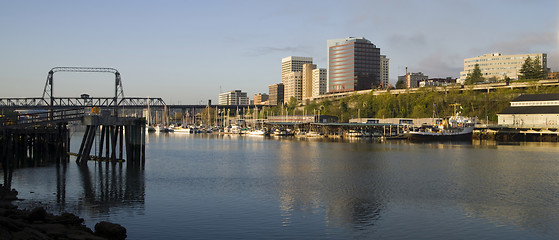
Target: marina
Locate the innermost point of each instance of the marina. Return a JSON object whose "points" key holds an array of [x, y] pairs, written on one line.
{"points": [[215, 186]]}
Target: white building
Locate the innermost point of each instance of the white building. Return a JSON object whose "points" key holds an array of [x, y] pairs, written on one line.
{"points": [[384, 68], [293, 86], [532, 110], [292, 64], [236, 97], [319, 82], [498, 65]]}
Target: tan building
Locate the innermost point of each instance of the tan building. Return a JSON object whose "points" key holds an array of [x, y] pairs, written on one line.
{"points": [[384, 71], [499, 66], [275, 96], [293, 86], [307, 80], [261, 99], [319, 82], [412, 79], [292, 64]]}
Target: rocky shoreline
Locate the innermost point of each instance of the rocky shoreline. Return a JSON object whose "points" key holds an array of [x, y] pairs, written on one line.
{"points": [[38, 224]]}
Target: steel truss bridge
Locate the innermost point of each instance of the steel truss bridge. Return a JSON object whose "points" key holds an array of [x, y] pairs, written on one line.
{"points": [[50, 102]]}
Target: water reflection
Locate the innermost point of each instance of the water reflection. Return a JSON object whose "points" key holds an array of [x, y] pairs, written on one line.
{"points": [[341, 180], [98, 188], [111, 185]]}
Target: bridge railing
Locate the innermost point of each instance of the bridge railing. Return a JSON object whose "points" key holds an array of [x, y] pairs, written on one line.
{"points": [[73, 102], [36, 118]]}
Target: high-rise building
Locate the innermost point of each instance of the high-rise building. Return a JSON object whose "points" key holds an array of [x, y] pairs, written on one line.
{"points": [[261, 99], [236, 97], [500, 66], [307, 80], [275, 94], [384, 71], [319, 85], [353, 64], [412, 79], [292, 64], [293, 86]]}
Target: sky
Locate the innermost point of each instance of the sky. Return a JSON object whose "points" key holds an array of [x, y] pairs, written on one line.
{"points": [[187, 52]]}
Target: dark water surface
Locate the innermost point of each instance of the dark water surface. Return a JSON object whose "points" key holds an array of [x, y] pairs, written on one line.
{"points": [[232, 187]]}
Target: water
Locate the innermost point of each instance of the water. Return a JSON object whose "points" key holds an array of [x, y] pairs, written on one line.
{"points": [[232, 187]]}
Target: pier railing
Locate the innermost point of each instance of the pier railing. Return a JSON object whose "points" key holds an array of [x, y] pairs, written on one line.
{"points": [[42, 117]]}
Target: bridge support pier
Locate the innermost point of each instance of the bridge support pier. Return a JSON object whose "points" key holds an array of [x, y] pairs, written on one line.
{"points": [[116, 136]]}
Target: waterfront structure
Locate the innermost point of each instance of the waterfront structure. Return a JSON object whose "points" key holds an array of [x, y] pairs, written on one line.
{"points": [[261, 99], [532, 110], [302, 119], [319, 83], [384, 68], [293, 86], [412, 79], [275, 94], [353, 64], [235, 97], [292, 64], [437, 82], [500, 66], [307, 80]]}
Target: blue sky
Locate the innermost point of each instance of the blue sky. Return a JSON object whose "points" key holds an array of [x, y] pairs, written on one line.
{"points": [[187, 51]]}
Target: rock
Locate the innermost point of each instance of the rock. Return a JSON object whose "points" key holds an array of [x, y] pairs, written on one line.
{"points": [[110, 231], [37, 214]]}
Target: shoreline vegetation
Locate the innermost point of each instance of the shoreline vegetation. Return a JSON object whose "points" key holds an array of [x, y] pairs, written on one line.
{"points": [[424, 103], [38, 224]]}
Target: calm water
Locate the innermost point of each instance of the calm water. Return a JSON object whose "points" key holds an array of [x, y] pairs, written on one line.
{"points": [[231, 187]]}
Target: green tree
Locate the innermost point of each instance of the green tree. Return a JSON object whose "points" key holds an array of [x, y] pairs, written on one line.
{"points": [[531, 69], [400, 84], [475, 76]]}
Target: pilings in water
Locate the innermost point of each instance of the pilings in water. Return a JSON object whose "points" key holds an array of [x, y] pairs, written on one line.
{"points": [[33, 146], [117, 136]]}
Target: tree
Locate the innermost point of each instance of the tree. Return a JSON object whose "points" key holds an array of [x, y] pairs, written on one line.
{"points": [[400, 84], [531, 69], [475, 76]]}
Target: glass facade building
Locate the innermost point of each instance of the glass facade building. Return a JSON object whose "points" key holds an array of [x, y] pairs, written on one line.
{"points": [[353, 64]]}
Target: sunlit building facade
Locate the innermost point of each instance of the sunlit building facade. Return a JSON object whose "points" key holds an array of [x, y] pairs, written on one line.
{"points": [[353, 64], [500, 66]]}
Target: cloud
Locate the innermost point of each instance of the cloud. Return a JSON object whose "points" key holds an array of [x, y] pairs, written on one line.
{"points": [[297, 50], [527, 43], [416, 39], [439, 65]]}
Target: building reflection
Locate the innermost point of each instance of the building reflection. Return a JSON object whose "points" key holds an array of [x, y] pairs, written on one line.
{"points": [[343, 186]]}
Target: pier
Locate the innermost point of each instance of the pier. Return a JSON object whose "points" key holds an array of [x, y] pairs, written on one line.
{"points": [[516, 133]]}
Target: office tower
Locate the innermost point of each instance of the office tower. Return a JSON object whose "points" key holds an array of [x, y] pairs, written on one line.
{"points": [[384, 71], [293, 86], [307, 80], [292, 64], [319, 83], [275, 92], [353, 64], [236, 97]]}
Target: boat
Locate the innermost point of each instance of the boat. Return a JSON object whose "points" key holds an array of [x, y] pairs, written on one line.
{"points": [[283, 133], [150, 128], [257, 132], [182, 129], [451, 128]]}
